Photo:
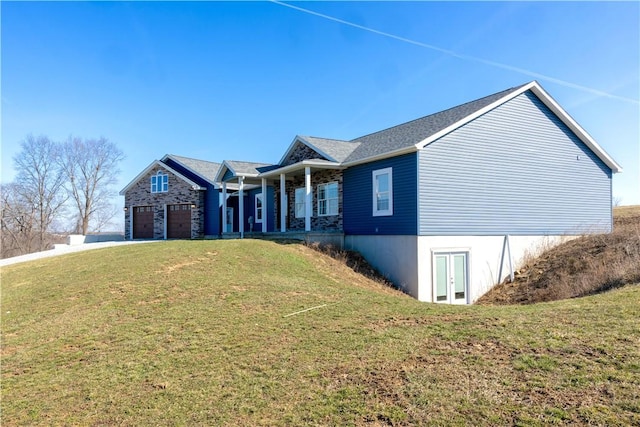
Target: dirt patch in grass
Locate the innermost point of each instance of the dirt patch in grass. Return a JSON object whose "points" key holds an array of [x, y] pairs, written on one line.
{"points": [[587, 265], [363, 273]]}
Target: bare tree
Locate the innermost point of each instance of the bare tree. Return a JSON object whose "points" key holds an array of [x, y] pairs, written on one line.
{"points": [[38, 189], [616, 201], [91, 168], [17, 222]]}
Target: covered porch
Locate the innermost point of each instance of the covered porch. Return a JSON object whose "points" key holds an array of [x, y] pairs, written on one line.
{"points": [[288, 208]]}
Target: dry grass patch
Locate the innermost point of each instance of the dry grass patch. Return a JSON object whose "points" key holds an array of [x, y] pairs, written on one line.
{"points": [[587, 265]]}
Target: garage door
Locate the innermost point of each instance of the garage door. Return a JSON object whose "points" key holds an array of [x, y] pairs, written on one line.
{"points": [[143, 222], [179, 221]]}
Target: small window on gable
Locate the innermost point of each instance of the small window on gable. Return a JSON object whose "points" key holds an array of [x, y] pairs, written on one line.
{"points": [[300, 197], [383, 192], [328, 199], [160, 182], [259, 207]]}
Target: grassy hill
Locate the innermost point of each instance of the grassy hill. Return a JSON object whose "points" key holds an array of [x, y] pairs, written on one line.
{"points": [[214, 333], [584, 266]]}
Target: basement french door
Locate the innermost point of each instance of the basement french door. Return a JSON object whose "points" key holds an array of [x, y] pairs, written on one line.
{"points": [[450, 277]]}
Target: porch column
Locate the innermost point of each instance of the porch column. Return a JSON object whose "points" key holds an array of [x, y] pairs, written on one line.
{"points": [[264, 205], [165, 222], [224, 207], [307, 200], [283, 205], [241, 206]]}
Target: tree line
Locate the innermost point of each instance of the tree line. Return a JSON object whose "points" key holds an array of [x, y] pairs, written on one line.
{"points": [[59, 187]]}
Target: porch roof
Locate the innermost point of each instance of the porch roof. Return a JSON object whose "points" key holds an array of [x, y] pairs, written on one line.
{"points": [[233, 169], [298, 168]]}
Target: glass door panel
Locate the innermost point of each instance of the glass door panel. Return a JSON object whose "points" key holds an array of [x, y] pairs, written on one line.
{"points": [[442, 278]]}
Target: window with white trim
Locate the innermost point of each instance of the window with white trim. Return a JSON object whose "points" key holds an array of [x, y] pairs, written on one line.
{"points": [[160, 182], [300, 196], [258, 207], [328, 199], [383, 192]]}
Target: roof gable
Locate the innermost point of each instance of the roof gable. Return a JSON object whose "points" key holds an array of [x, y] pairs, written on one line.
{"points": [[406, 136], [547, 100], [416, 134], [234, 168], [154, 164]]}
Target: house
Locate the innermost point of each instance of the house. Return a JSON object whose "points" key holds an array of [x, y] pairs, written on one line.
{"points": [[444, 205], [173, 198]]}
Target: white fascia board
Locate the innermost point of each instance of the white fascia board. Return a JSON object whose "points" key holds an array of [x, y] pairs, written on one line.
{"points": [[286, 153], [323, 164], [164, 166], [169, 156], [399, 152], [575, 127], [246, 187], [220, 173], [420, 145]]}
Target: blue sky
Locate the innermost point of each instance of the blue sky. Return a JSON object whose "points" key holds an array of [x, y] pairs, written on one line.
{"points": [[237, 81]]}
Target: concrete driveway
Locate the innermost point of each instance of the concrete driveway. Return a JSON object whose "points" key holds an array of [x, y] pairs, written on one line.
{"points": [[67, 249]]}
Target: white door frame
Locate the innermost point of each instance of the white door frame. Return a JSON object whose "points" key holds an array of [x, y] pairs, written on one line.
{"points": [[450, 275]]}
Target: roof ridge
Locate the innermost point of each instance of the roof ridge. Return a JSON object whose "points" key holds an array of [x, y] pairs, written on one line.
{"points": [[246, 161], [328, 139], [191, 158]]}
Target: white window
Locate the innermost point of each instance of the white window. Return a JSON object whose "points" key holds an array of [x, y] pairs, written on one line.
{"points": [[328, 199], [301, 194], [259, 207], [160, 183], [382, 192]]}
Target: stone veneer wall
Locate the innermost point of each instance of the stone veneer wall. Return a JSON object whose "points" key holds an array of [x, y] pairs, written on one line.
{"points": [[179, 192], [318, 223], [301, 152]]}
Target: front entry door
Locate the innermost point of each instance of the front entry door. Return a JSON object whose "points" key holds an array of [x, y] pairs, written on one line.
{"points": [[451, 277]]}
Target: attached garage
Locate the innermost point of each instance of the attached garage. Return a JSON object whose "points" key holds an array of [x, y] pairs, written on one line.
{"points": [[143, 222], [179, 221]]}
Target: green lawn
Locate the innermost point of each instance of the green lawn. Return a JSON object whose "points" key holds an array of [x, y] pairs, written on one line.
{"points": [[204, 333]]}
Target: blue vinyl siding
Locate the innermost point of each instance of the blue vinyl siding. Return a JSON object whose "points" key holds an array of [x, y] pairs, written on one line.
{"points": [[515, 170], [250, 209], [358, 198], [227, 175], [212, 221]]}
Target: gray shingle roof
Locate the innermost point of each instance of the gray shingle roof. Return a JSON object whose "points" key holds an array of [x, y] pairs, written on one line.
{"points": [[249, 168], [415, 131], [335, 148], [205, 169]]}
